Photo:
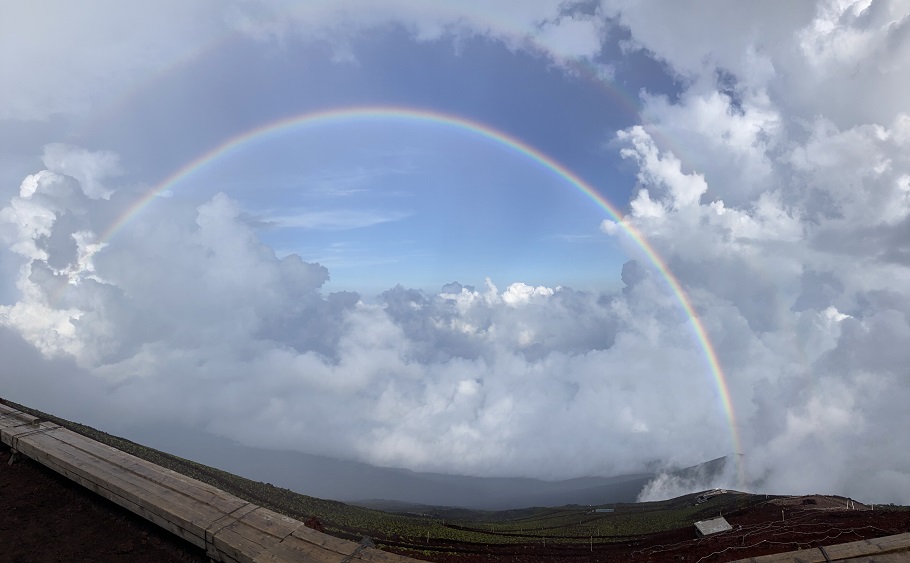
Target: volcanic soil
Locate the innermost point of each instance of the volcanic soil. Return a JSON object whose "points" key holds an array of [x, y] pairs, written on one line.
{"points": [[777, 525], [46, 517]]}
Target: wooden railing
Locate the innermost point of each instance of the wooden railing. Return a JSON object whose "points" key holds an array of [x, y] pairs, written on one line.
{"points": [[229, 528]]}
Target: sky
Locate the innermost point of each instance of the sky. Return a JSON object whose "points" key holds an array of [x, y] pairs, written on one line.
{"points": [[514, 238]]}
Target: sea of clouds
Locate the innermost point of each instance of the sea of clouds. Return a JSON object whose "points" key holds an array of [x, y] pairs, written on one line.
{"points": [[782, 206]]}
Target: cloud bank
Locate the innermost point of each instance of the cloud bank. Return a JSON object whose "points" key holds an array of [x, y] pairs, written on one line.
{"points": [[776, 185]]}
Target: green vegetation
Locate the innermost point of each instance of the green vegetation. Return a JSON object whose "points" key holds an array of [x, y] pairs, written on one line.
{"points": [[438, 529]]}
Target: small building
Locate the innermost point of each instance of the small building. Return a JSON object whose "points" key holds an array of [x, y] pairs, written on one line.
{"points": [[603, 510], [708, 494], [713, 526]]}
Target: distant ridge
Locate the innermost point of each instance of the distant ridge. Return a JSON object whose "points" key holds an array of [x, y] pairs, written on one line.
{"points": [[706, 471], [353, 482], [505, 494]]}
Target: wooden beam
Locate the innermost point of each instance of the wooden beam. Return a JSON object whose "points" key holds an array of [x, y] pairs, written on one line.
{"points": [[230, 529]]}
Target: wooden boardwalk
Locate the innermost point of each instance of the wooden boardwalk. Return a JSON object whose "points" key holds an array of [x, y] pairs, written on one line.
{"points": [[879, 550], [229, 528]]}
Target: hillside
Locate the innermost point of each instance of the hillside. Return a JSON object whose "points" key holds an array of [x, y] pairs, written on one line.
{"points": [[654, 530], [351, 481]]}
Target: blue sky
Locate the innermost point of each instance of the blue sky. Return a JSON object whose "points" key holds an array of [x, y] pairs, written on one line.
{"points": [[297, 293], [418, 178]]}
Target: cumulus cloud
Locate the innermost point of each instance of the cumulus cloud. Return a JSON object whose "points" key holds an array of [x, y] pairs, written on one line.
{"points": [[218, 331], [790, 214], [89, 168], [196, 320], [785, 216], [451, 381]]}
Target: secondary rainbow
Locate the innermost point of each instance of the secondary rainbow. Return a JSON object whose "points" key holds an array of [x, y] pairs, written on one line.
{"points": [[377, 113]]}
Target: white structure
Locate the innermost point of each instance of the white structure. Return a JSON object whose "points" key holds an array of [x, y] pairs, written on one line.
{"points": [[713, 526]]}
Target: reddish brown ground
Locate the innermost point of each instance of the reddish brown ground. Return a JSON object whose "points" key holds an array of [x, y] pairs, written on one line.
{"points": [[763, 529], [46, 517], [758, 530]]}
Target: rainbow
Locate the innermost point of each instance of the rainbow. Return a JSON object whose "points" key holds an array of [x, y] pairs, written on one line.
{"points": [[376, 113]]}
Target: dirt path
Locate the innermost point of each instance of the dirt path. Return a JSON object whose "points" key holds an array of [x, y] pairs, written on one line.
{"points": [[46, 517]]}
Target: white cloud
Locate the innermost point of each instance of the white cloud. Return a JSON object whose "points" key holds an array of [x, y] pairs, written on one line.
{"points": [[789, 214], [782, 212], [335, 219], [444, 382], [67, 59], [113, 49], [685, 190], [728, 144], [813, 58], [520, 293], [89, 168], [466, 379], [519, 24], [573, 36]]}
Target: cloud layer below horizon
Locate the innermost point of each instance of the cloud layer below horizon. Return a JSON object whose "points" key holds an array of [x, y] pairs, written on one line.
{"points": [[784, 213]]}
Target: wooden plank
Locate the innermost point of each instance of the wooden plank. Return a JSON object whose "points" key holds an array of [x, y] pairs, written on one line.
{"points": [[273, 533], [219, 525], [295, 549], [268, 522], [202, 492], [869, 547], [336, 547], [230, 529], [326, 541], [227, 520], [861, 550], [8, 420], [182, 512], [10, 411], [126, 460], [185, 517], [12, 419], [10, 434], [802, 556], [239, 547], [895, 557], [285, 539], [167, 507], [161, 483], [126, 503], [25, 429]]}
